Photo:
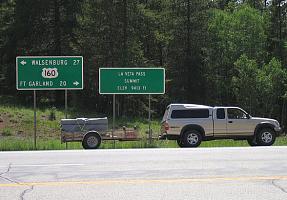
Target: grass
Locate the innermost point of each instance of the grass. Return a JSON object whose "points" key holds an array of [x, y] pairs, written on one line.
{"points": [[20, 122], [18, 144], [6, 132], [17, 130]]}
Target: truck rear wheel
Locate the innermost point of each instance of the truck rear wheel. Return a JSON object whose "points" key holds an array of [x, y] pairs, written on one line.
{"points": [[252, 142], [191, 138], [91, 140], [179, 142], [266, 137]]}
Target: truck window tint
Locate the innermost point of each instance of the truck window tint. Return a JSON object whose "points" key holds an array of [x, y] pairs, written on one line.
{"points": [[198, 113], [234, 113], [220, 113]]}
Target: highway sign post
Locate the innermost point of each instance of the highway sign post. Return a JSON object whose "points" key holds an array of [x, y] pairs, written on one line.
{"points": [[48, 73], [132, 81]]}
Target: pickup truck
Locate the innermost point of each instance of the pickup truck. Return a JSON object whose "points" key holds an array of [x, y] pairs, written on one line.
{"points": [[190, 124]]}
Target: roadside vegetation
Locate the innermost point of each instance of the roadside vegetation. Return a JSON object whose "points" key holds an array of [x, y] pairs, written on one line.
{"points": [[16, 131], [215, 52]]}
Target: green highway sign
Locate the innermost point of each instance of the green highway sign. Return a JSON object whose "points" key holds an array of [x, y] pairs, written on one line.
{"points": [[49, 72], [132, 80]]}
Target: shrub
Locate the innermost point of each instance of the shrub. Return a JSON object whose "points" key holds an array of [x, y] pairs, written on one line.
{"points": [[52, 115], [6, 132]]}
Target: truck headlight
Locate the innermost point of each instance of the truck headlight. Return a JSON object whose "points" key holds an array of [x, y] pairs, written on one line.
{"points": [[277, 124]]}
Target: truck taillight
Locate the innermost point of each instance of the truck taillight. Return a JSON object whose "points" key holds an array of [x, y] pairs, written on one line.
{"points": [[166, 126]]}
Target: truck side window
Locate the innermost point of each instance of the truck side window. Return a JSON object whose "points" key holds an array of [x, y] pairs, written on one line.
{"points": [[220, 113], [234, 113], [196, 113]]}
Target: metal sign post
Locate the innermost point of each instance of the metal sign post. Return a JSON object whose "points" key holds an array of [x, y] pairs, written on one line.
{"points": [[49, 73], [66, 110], [132, 81], [35, 122], [66, 104], [149, 121], [114, 119]]}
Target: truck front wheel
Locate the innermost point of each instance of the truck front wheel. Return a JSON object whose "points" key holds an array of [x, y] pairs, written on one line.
{"points": [[91, 140], [266, 137], [191, 138]]}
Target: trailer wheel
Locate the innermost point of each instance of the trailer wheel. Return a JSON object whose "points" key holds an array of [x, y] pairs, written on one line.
{"points": [[92, 140]]}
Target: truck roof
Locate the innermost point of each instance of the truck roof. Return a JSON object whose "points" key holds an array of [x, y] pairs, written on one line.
{"points": [[178, 105], [189, 105], [227, 107]]}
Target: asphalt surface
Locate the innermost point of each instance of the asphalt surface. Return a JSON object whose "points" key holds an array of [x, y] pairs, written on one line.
{"points": [[201, 173]]}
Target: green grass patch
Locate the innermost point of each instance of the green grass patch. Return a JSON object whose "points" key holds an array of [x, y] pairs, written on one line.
{"points": [[6, 132], [17, 130], [18, 144]]}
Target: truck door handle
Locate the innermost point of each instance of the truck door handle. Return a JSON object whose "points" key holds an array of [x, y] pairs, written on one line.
{"points": [[230, 121]]}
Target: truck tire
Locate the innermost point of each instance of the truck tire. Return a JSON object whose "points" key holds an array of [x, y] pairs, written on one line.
{"points": [[266, 137], [252, 142], [91, 140], [191, 138], [179, 142]]}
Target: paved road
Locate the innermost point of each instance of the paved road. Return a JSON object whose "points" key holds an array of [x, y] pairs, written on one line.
{"points": [[202, 173]]}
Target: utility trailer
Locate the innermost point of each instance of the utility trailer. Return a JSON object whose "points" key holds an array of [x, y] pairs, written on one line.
{"points": [[92, 131]]}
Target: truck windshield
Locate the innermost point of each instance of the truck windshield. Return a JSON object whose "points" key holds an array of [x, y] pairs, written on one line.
{"points": [[235, 113]]}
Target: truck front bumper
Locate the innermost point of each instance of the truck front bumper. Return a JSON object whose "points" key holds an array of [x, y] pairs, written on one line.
{"points": [[278, 130]]}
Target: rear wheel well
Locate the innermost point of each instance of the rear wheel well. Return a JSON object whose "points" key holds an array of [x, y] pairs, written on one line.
{"points": [[92, 132], [192, 127]]}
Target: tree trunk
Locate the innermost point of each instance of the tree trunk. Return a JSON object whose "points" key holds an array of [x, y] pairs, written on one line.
{"points": [[57, 45], [57, 30]]}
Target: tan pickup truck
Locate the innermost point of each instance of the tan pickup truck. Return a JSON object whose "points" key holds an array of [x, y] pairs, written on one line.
{"points": [[190, 124]]}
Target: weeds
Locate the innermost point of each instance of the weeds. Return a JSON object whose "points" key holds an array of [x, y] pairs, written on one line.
{"points": [[6, 132], [20, 144], [17, 132]]}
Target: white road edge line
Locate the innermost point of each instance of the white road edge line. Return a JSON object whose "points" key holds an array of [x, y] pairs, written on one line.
{"points": [[48, 165]]}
